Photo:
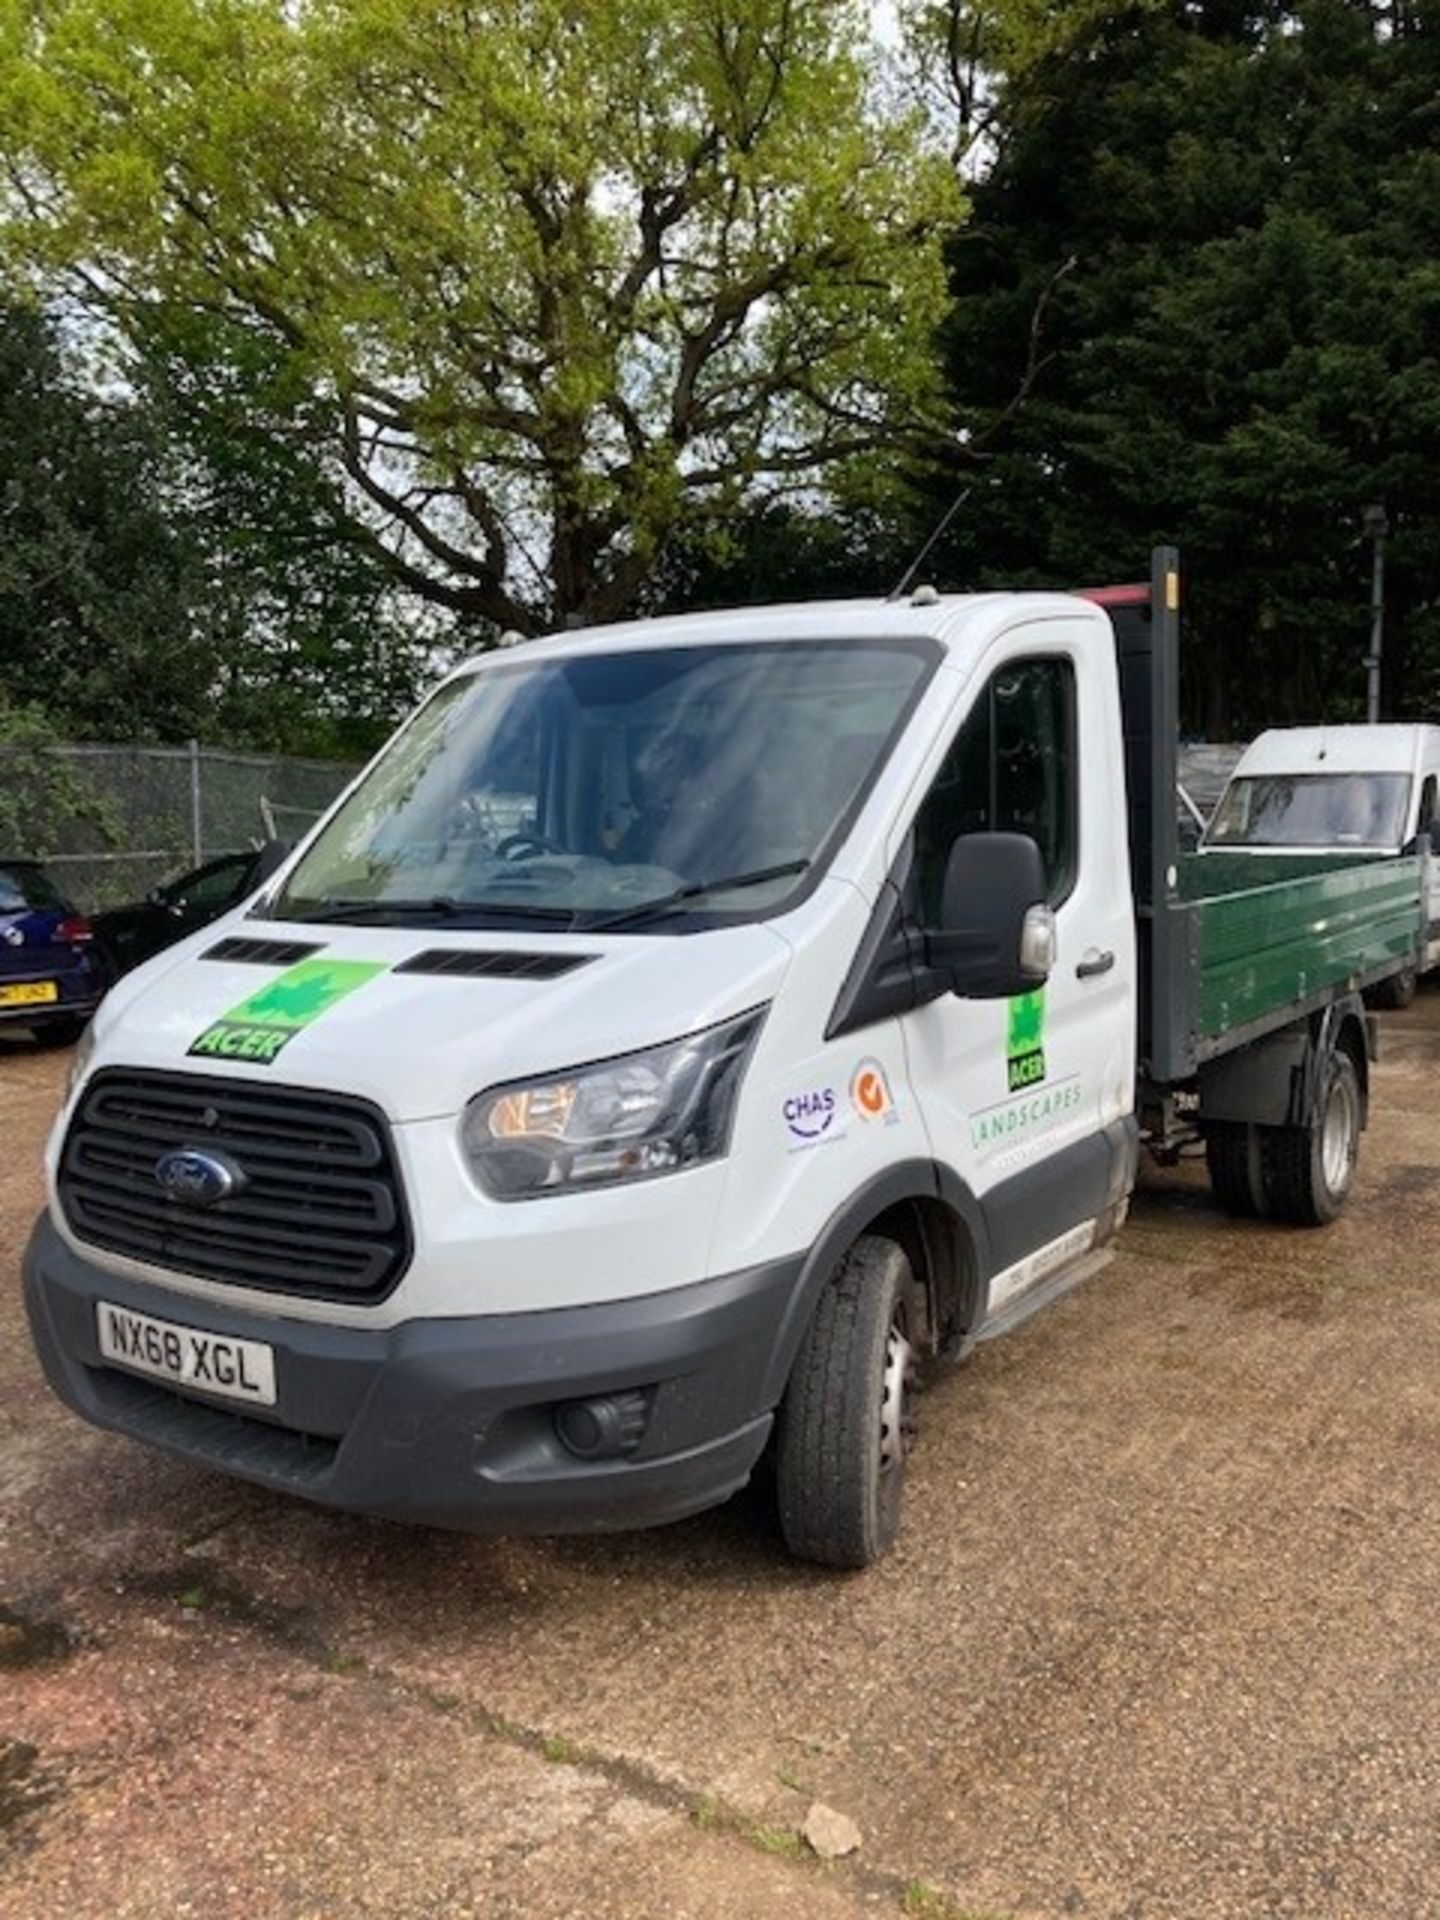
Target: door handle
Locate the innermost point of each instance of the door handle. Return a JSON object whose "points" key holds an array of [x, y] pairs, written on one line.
{"points": [[1094, 964]]}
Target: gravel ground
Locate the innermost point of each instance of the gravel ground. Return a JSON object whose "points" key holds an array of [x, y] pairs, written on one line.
{"points": [[1159, 1641]]}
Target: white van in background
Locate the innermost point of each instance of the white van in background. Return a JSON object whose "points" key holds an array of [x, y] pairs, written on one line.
{"points": [[1327, 790]]}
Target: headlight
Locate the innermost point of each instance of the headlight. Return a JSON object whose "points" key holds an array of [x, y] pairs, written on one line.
{"points": [[631, 1118]]}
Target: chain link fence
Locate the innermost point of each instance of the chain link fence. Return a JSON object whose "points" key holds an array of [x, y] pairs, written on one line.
{"points": [[160, 810]]}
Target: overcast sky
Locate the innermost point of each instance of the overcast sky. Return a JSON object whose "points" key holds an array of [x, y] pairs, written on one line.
{"points": [[883, 13]]}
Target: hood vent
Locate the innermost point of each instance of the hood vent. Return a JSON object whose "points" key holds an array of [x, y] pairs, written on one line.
{"points": [[498, 965], [261, 953]]}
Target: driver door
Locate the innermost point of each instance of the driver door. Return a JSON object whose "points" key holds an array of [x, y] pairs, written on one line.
{"points": [[1018, 1094]]}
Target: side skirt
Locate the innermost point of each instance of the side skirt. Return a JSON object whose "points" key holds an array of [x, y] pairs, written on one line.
{"points": [[1043, 1276]]}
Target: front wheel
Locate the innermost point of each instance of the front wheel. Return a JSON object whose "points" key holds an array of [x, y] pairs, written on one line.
{"points": [[846, 1420], [1308, 1170]]}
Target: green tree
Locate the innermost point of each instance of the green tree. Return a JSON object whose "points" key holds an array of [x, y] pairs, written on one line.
{"points": [[557, 280], [174, 562], [1246, 351], [311, 647], [95, 586], [41, 793]]}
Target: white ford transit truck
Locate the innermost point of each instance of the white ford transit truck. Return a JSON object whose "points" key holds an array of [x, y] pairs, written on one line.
{"points": [[680, 1034]]}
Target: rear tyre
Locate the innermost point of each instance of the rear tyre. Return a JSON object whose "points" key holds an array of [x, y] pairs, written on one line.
{"points": [[1308, 1170], [1393, 994], [1233, 1158], [63, 1031], [845, 1423]]}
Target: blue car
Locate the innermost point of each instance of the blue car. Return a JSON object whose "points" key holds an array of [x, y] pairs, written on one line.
{"points": [[51, 976]]}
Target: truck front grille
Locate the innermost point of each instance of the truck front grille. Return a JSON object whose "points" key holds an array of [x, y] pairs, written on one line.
{"points": [[320, 1211]]}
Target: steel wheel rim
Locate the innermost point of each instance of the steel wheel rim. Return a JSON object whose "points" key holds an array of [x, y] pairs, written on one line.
{"points": [[896, 1386], [1337, 1140]]}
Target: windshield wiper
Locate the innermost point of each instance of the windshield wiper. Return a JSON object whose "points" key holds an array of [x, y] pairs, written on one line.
{"points": [[442, 905], [696, 890]]}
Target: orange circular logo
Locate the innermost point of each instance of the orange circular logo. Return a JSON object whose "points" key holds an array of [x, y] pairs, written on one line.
{"points": [[870, 1091]]}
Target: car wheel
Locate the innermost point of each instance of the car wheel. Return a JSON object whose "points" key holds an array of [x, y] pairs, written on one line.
{"points": [[846, 1422]]}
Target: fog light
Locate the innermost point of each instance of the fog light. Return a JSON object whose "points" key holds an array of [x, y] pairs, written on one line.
{"points": [[604, 1428]]}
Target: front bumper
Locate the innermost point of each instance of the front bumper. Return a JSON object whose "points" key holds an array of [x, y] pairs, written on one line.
{"points": [[37, 1013], [448, 1421]]}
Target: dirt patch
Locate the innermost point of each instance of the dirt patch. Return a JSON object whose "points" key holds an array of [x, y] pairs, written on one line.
{"points": [[1292, 1292], [31, 1643], [1418, 1181], [25, 1788]]}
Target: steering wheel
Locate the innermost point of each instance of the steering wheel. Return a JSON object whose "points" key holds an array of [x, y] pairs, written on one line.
{"points": [[525, 846]]}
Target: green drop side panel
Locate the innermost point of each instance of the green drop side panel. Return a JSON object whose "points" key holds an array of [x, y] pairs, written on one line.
{"points": [[1306, 929]]}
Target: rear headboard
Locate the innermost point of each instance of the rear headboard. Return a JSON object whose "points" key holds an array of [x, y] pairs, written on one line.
{"points": [[1146, 619]]}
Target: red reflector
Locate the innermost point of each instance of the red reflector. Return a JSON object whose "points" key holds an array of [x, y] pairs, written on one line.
{"points": [[73, 931], [1137, 595]]}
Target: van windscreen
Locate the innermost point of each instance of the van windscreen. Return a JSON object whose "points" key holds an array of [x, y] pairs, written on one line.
{"points": [[585, 786], [1312, 810]]}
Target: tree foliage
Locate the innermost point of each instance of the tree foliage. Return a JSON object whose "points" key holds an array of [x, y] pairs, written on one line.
{"points": [[41, 793], [171, 566], [556, 280], [308, 646], [96, 587], [1247, 350]]}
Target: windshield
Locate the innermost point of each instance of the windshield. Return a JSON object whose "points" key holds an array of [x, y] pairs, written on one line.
{"points": [[1312, 810], [590, 786]]}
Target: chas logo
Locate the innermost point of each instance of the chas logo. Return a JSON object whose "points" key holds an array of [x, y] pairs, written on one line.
{"points": [[808, 1115]]}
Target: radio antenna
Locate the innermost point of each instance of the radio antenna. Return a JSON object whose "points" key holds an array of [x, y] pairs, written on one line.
{"points": [[1035, 363], [903, 584]]}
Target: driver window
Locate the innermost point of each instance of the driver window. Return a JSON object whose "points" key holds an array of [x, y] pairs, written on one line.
{"points": [[1010, 769]]}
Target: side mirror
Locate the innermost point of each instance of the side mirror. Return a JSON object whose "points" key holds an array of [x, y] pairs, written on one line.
{"points": [[997, 936], [1427, 840]]}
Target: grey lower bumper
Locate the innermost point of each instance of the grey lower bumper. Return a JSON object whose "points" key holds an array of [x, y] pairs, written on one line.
{"points": [[449, 1422]]}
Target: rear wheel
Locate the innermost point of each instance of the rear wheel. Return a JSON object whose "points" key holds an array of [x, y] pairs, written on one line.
{"points": [[1308, 1170], [1232, 1154], [846, 1421], [1393, 994]]}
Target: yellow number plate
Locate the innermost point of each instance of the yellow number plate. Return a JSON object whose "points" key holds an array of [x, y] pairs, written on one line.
{"points": [[29, 993]]}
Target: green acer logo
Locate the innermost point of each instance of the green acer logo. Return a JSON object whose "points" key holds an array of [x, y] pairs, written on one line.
{"points": [[261, 1025], [1025, 1041]]}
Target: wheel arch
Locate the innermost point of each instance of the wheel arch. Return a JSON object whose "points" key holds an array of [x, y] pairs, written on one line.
{"points": [[1346, 1028], [940, 1226]]}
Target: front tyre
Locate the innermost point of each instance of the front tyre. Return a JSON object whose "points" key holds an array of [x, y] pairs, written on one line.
{"points": [[846, 1419], [1308, 1170]]}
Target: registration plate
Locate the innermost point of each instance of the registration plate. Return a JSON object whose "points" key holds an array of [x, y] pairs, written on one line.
{"points": [[29, 993], [212, 1362]]}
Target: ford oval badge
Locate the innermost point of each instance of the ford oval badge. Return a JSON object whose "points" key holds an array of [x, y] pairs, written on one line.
{"points": [[198, 1179]]}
